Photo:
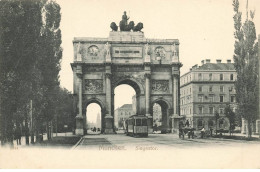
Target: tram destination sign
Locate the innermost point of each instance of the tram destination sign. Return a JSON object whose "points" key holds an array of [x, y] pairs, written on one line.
{"points": [[127, 52]]}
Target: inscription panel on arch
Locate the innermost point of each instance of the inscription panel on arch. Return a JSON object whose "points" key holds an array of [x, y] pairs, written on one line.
{"points": [[161, 86], [127, 52], [94, 85]]}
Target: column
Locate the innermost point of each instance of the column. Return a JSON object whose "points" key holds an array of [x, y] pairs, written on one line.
{"points": [[80, 95], [108, 94], [175, 93], [108, 117], [79, 117], [147, 93]]}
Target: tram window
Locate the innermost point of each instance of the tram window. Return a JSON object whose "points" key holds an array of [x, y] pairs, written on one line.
{"points": [[144, 122], [138, 122]]}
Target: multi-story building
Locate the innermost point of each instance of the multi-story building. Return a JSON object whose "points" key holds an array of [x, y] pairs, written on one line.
{"points": [[205, 90], [122, 113]]}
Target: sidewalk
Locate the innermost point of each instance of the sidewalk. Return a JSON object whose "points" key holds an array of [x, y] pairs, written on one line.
{"points": [[23, 139]]}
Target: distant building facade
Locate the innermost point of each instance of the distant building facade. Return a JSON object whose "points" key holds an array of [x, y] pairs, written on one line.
{"points": [[122, 113], [207, 89], [157, 115]]}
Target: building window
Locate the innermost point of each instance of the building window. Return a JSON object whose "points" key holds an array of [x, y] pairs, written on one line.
{"points": [[210, 76], [231, 77], [190, 110], [200, 97], [210, 88], [200, 110], [221, 89], [211, 98], [200, 88], [221, 77], [233, 99], [211, 109], [200, 76], [221, 110], [190, 90], [221, 98]]}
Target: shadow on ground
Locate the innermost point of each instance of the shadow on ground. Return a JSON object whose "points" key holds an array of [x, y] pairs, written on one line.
{"points": [[60, 141]]}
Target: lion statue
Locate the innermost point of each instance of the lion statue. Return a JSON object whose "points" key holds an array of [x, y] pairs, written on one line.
{"points": [[138, 27], [113, 26]]}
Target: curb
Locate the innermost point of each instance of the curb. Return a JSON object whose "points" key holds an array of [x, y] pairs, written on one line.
{"points": [[74, 147]]}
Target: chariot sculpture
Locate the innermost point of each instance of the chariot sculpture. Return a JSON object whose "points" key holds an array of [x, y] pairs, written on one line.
{"points": [[124, 26]]}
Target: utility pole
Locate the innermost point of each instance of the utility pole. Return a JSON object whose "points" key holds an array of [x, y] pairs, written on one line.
{"points": [[32, 125]]}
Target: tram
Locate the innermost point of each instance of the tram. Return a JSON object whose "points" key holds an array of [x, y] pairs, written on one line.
{"points": [[136, 125]]}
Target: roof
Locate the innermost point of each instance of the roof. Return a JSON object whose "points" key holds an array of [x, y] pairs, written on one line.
{"points": [[126, 106], [216, 66]]}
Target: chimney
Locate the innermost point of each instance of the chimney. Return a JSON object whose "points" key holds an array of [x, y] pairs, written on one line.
{"points": [[218, 60], [202, 62], [228, 60], [207, 60]]}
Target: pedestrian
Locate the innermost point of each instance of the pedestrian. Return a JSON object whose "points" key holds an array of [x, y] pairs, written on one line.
{"points": [[211, 131], [187, 123], [18, 135], [202, 132]]}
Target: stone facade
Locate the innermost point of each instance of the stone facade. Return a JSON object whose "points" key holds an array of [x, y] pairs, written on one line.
{"points": [[150, 66], [206, 89]]}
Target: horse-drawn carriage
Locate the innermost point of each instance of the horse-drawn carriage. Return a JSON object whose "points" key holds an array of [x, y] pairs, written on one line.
{"points": [[186, 130]]}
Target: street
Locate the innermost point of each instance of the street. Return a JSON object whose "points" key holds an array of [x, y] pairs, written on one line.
{"points": [[159, 141], [155, 151]]}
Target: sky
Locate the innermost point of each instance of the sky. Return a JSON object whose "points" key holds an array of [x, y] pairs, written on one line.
{"points": [[203, 27]]}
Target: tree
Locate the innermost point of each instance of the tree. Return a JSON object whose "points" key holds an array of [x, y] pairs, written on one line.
{"points": [[246, 65], [20, 23], [231, 117], [30, 55], [216, 114]]}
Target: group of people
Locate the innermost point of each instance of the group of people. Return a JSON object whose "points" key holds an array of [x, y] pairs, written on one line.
{"points": [[95, 129], [184, 129]]}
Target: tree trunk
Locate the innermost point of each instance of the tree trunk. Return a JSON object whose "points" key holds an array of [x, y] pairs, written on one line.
{"points": [[230, 129], [216, 126], [249, 128]]}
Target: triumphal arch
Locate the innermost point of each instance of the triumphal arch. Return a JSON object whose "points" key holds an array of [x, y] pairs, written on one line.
{"points": [[150, 66]]}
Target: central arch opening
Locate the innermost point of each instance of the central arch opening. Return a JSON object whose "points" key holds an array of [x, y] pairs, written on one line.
{"points": [[126, 102]]}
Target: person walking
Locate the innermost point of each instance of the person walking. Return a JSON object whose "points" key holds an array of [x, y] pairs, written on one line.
{"points": [[202, 132], [18, 135]]}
